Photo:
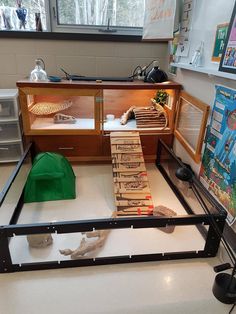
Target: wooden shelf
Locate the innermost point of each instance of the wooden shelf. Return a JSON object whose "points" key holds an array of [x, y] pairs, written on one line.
{"points": [[103, 85]]}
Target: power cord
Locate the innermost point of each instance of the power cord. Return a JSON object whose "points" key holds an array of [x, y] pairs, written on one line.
{"points": [[136, 72], [140, 72], [232, 308]]}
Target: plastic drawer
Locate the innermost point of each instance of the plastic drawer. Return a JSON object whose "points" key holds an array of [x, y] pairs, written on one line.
{"points": [[8, 109], [10, 152], [9, 131]]}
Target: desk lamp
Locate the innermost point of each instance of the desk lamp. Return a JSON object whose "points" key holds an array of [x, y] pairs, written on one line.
{"points": [[224, 288], [156, 75]]}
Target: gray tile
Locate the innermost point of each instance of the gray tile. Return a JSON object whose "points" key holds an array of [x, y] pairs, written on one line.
{"points": [[7, 63], [76, 65]]}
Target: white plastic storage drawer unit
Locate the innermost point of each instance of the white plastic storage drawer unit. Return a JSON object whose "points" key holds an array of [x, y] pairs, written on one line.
{"points": [[11, 147], [10, 152], [9, 104], [10, 131]]}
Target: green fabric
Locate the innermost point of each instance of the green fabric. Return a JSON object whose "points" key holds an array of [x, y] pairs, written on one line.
{"points": [[51, 178]]}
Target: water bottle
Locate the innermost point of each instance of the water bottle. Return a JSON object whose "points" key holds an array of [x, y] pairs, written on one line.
{"points": [[39, 73]]}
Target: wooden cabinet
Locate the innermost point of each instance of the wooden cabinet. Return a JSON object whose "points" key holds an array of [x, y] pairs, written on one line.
{"points": [[89, 103], [88, 147]]}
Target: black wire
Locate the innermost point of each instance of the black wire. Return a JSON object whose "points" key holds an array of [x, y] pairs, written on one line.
{"points": [[232, 308], [150, 64], [134, 71], [139, 67]]}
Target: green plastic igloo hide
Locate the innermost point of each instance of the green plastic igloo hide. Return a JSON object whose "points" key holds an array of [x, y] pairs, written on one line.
{"points": [[51, 178]]}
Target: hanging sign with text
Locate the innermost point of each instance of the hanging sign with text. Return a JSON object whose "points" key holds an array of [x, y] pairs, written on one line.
{"points": [[159, 19]]}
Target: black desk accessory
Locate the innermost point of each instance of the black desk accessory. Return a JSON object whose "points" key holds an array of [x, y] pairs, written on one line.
{"points": [[156, 75]]}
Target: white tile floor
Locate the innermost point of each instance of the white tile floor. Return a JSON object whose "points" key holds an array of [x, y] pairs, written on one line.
{"points": [[5, 172], [180, 287]]}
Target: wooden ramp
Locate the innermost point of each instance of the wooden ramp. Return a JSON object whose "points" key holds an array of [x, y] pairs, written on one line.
{"points": [[131, 186]]}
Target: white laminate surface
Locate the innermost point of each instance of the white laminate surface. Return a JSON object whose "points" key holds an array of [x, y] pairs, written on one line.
{"points": [[180, 287]]}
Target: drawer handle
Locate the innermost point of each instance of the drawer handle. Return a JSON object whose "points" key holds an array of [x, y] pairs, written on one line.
{"points": [[66, 148], [4, 148]]}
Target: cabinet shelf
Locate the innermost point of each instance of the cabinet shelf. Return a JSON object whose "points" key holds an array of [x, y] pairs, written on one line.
{"points": [[47, 124], [115, 125]]}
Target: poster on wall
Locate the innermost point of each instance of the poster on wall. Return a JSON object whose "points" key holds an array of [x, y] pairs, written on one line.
{"points": [[172, 45], [185, 26], [218, 170], [228, 59], [221, 33], [159, 19]]}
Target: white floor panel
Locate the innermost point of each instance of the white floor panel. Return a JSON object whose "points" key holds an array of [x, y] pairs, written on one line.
{"points": [[95, 199], [5, 172], [167, 287], [180, 287]]}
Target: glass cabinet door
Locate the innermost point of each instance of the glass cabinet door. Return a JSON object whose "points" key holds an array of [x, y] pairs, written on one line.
{"points": [[60, 111]]}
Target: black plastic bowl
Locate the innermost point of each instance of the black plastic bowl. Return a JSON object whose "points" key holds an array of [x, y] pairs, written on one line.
{"points": [[224, 288]]}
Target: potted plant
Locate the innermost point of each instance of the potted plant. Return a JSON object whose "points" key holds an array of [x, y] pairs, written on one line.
{"points": [[160, 97]]}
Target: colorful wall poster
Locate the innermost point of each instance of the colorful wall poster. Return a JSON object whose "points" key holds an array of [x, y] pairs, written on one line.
{"points": [[221, 33], [218, 170], [172, 51]]}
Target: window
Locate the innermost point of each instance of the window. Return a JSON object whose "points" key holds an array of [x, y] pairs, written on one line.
{"points": [[109, 16], [71, 16], [23, 15]]}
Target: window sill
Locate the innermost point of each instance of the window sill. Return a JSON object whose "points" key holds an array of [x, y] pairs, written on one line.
{"points": [[72, 36]]}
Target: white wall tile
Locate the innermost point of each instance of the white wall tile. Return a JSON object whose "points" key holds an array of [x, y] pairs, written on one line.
{"points": [[9, 81], [145, 50], [100, 49], [17, 57], [15, 46], [7, 63], [56, 47], [76, 65], [110, 66]]}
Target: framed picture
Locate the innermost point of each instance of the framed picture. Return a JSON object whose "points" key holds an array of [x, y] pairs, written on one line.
{"points": [[228, 59], [191, 122], [221, 33]]}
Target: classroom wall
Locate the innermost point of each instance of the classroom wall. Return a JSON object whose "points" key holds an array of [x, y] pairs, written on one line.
{"points": [[17, 57], [207, 14]]}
